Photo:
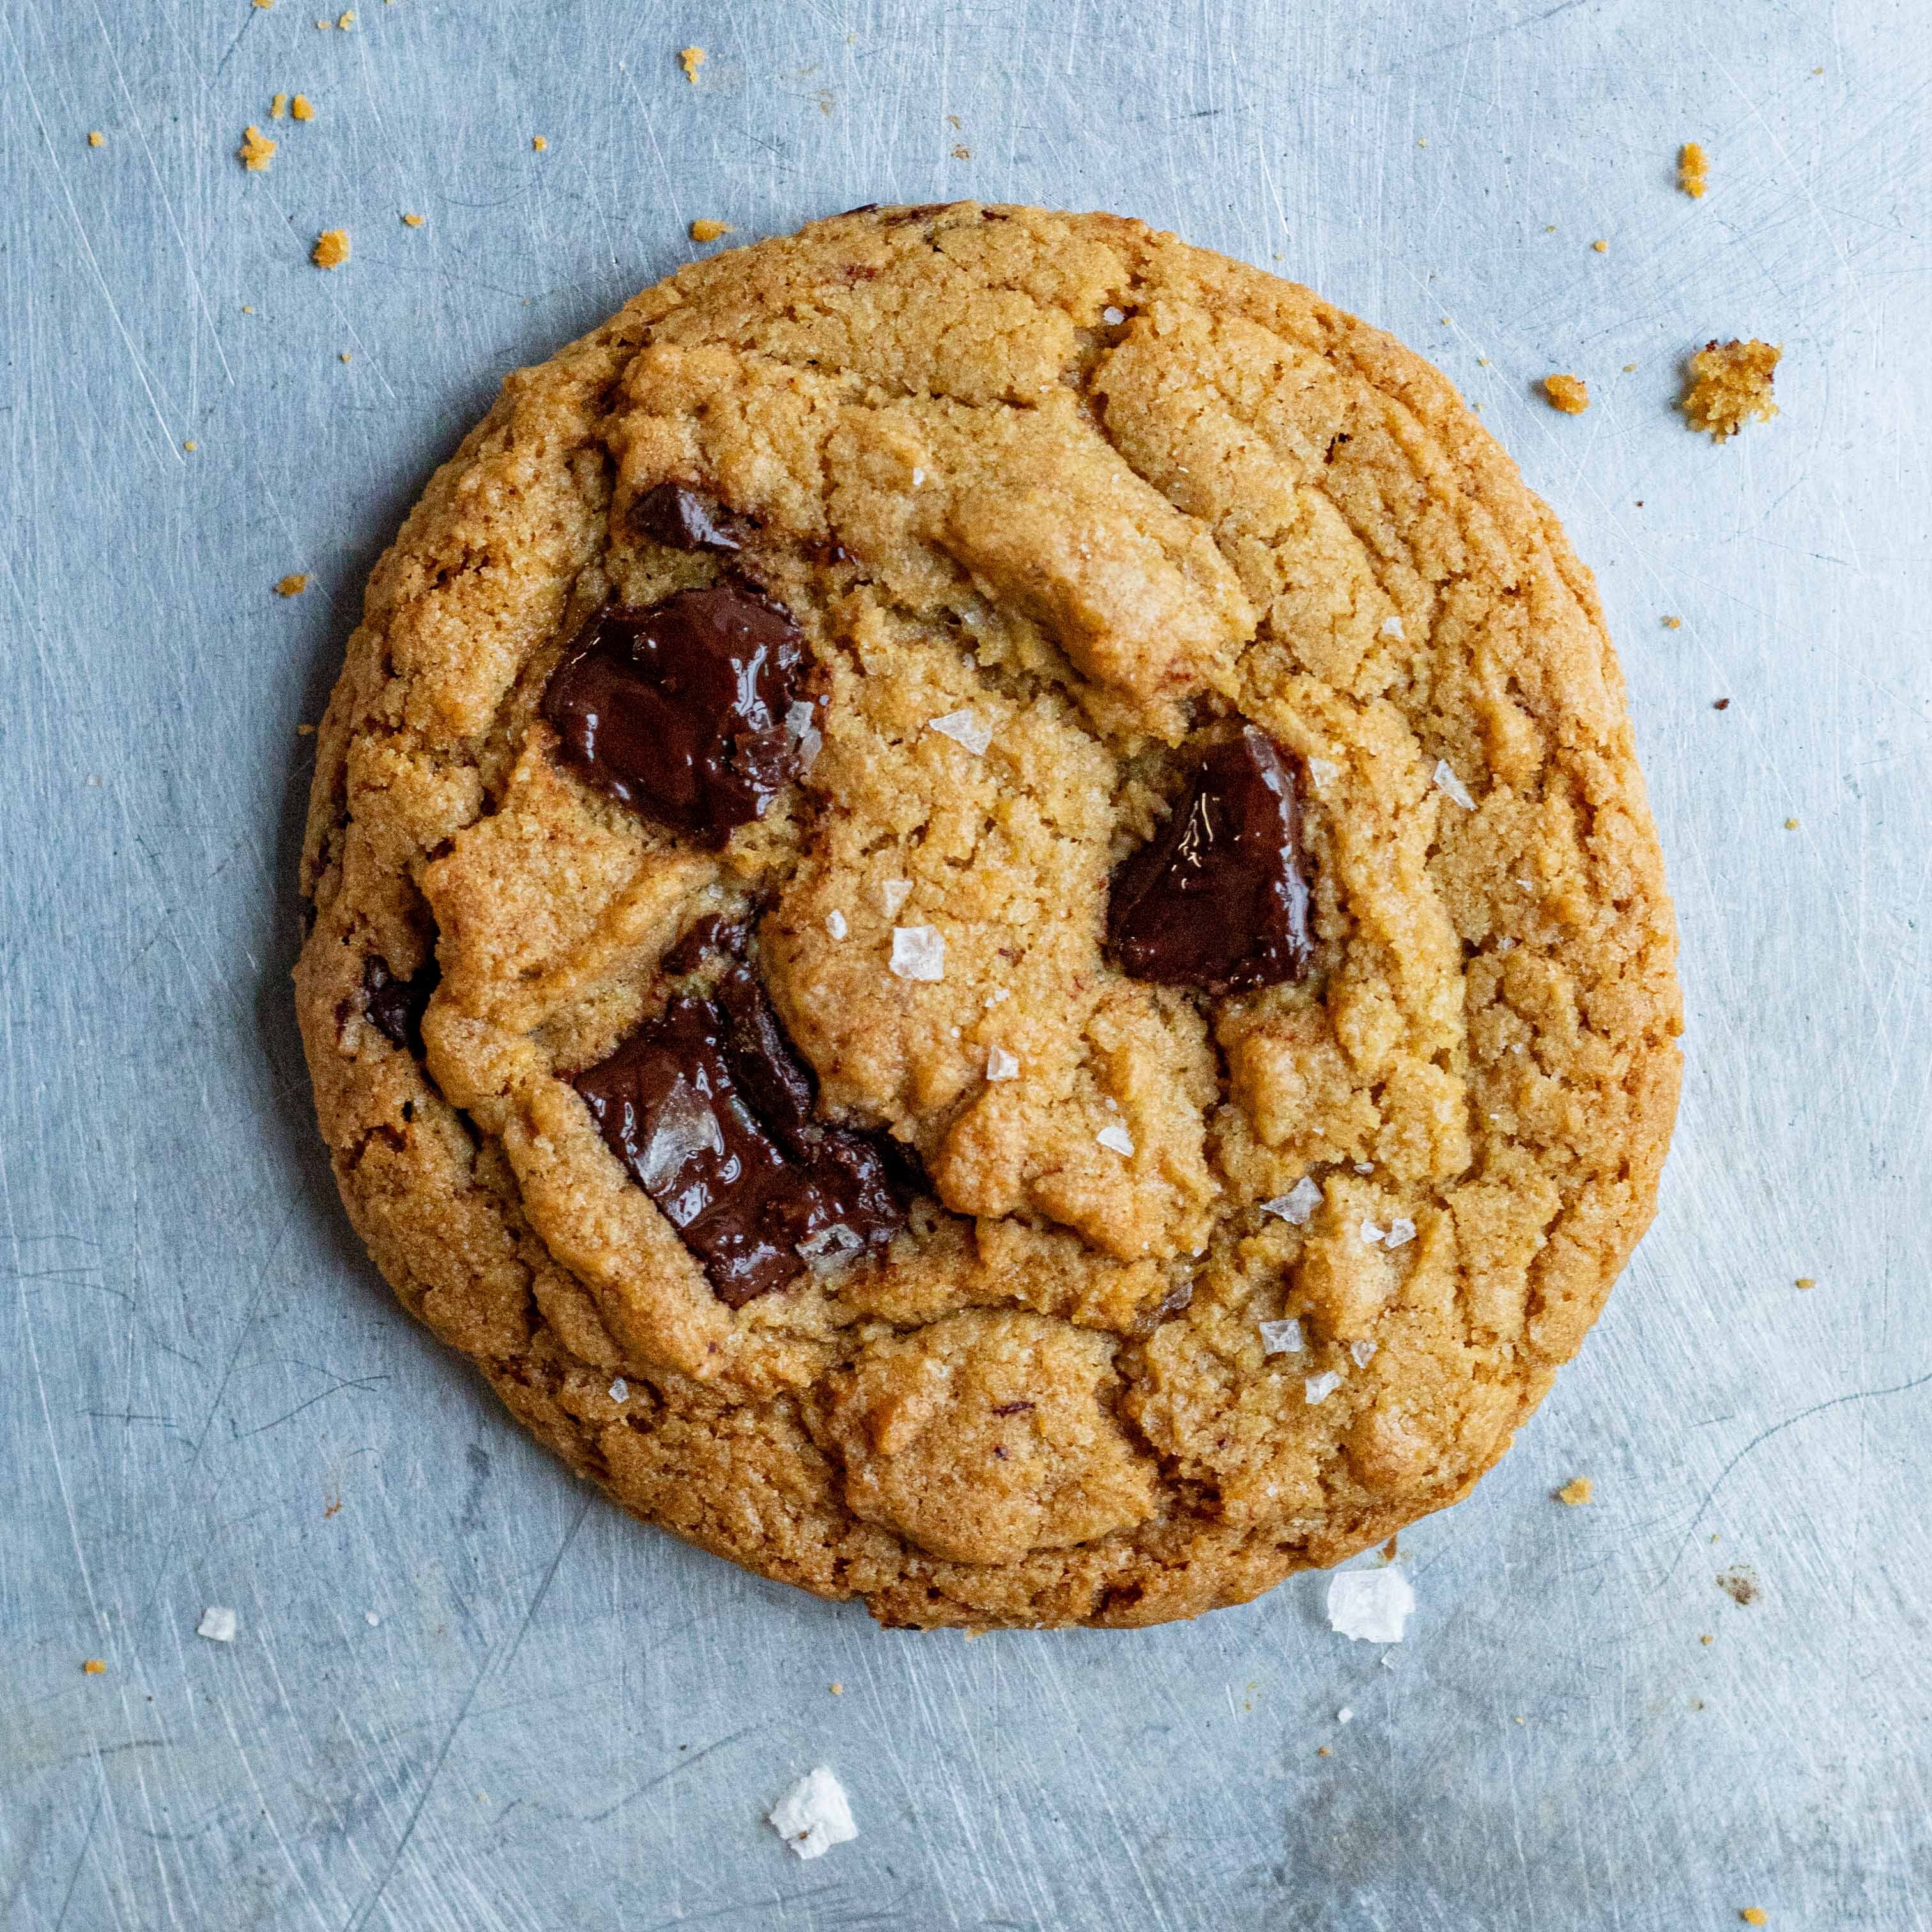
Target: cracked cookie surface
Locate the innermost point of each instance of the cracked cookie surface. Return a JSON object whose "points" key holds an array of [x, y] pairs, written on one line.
{"points": [[1062, 514]]}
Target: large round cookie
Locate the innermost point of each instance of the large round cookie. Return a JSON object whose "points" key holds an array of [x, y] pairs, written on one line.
{"points": [[984, 924]]}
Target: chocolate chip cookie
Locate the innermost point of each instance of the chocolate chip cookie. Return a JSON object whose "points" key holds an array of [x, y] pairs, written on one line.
{"points": [[984, 921]]}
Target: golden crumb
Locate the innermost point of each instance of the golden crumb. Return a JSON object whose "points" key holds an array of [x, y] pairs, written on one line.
{"points": [[708, 231], [1389, 1549], [1322, 1751], [347, 21], [264, 4], [1755, 1915], [332, 248], [1601, 247], [1569, 394], [412, 221], [1729, 384], [302, 108], [256, 152], [346, 357], [335, 1502], [1673, 623], [537, 142], [93, 1666], [1707, 1638], [1421, 143], [1630, 368], [278, 106], [190, 445], [96, 139], [691, 58], [1694, 174], [1806, 1281], [1791, 825], [323, 26], [246, 310], [838, 1690], [293, 585], [1577, 1492], [308, 731], [961, 152]]}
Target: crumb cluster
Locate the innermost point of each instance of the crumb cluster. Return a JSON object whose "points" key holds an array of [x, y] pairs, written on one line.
{"points": [[1569, 394], [1730, 383]]}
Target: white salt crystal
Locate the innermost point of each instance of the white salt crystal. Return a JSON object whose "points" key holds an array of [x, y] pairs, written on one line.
{"points": [[918, 952], [830, 1248], [1400, 1231], [620, 1391], [1113, 317], [1391, 627], [1372, 1605], [965, 727], [1323, 772], [1371, 1233], [370, 1618], [1344, 1715], [801, 721], [814, 1815], [1298, 1204], [918, 478], [893, 893], [1117, 1137], [1319, 1388], [686, 1125], [1448, 782], [216, 1624], [1001, 1065], [1282, 1338], [1362, 1353], [834, 924]]}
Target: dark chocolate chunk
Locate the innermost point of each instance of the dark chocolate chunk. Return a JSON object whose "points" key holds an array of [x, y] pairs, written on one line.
{"points": [[680, 711], [682, 518], [1218, 897], [714, 933], [395, 1007], [711, 1110]]}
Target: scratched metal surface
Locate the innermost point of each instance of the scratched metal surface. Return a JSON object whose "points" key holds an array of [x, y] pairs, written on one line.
{"points": [[561, 1719]]}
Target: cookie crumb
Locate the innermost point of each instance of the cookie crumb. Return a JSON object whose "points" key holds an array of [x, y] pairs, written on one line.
{"points": [[1673, 623], [247, 310], [264, 4], [96, 139], [306, 731], [708, 230], [333, 1506], [1389, 1548], [190, 445], [1740, 1586], [692, 59], [217, 1625], [1692, 170], [302, 108], [1721, 704], [256, 152], [838, 1690], [1569, 394], [961, 152], [1577, 1491], [1117, 1138], [1791, 825], [1755, 1915], [1322, 1751], [1707, 1638], [347, 21], [1370, 1605], [346, 357], [332, 248], [814, 1815], [93, 1666], [1601, 247], [1730, 383], [1806, 1281], [293, 585]]}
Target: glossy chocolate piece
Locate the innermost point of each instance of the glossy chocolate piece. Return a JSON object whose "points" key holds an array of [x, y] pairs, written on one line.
{"points": [[714, 933], [1218, 897], [395, 1007], [710, 1110], [682, 518], [678, 711]]}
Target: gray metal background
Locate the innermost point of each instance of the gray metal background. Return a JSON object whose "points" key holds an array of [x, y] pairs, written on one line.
{"points": [[563, 1719]]}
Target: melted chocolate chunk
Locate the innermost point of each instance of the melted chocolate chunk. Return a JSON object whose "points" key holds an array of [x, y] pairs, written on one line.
{"points": [[1218, 897], [682, 518], [714, 933], [710, 1109], [678, 711], [395, 1007]]}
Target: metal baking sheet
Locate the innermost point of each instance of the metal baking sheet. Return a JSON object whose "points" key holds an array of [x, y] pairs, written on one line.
{"points": [[466, 1693]]}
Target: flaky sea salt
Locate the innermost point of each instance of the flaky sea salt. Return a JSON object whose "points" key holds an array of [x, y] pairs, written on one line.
{"points": [[965, 727], [1319, 1388], [918, 952], [1113, 317], [1361, 1353], [893, 893], [1117, 1137], [620, 1391], [1391, 627], [1401, 1230], [370, 1618], [814, 1815], [1344, 1716], [802, 722], [1372, 1606], [831, 1248], [1298, 1204], [834, 924], [1371, 1233], [1001, 1065], [217, 1625], [1451, 786], [1323, 772], [1282, 1338], [686, 1126]]}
